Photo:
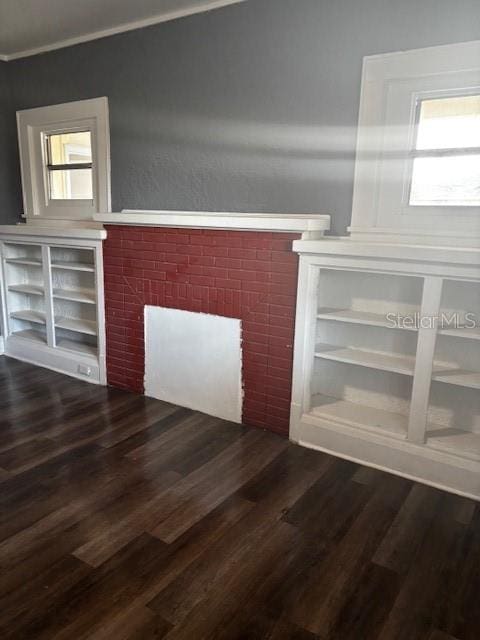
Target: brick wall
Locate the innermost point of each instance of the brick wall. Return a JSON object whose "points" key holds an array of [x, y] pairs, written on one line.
{"points": [[246, 275]]}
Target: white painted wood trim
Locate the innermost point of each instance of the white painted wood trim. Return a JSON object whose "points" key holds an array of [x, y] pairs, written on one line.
{"points": [[345, 246], [435, 238], [392, 85], [92, 115], [3, 306], [54, 359], [286, 223], [304, 345], [427, 337], [402, 458], [101, 327], [210, 5], [38, 232], [47, 283]]}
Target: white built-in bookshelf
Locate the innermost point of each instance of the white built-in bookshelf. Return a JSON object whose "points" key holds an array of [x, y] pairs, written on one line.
{"points": [[387, 359], [52, 299]]}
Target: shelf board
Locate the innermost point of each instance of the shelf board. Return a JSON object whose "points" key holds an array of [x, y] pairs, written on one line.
{"points": [[358, 317], [459, 377], [30, 334], [31, 289], [74, 266], [457, 441], [77, 347], [88, 327], [76, 295], [38, 317], [360, 416], [30, 262], [382, 361], [471, 334]]}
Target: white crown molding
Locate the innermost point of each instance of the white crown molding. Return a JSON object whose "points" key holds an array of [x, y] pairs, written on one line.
{"points": [[209, 5]]}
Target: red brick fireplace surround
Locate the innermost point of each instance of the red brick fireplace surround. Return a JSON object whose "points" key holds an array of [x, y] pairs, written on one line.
{"points": [[239, 274]]}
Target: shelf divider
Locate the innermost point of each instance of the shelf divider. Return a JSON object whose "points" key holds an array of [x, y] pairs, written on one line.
{"points": [[47, 280], [422, 380]]}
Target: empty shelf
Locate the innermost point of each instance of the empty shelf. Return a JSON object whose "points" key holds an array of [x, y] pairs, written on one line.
{"points": [[78, 347], [358, 317], [460, 377], [74, 266], [31, 262], [77, 295], [89, 327], [457, 441], [472, 334], [30, 316], [30, 334], [361, 416], [404, 365], [31, 289]]}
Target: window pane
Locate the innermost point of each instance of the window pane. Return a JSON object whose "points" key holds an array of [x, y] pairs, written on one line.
{"points": [[70, 148], [449, 180], [449, 123], [71, 184]]}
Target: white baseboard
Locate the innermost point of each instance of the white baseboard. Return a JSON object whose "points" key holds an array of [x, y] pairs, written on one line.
{"points": [[400, 457], [66, 362]]}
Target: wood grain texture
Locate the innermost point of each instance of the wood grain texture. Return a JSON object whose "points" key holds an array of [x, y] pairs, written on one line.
{"points": [[125, 517]]}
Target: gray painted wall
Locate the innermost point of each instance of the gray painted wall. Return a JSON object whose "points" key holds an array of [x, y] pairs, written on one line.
{"points": [[8, 169], [250, 107]]}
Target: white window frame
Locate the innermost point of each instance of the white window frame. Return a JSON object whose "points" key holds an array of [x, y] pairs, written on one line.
{"points": [[33, 127], [392, 86]]}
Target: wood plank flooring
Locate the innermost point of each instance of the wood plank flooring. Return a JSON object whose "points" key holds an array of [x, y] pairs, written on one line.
{"points": [[126, 518]]}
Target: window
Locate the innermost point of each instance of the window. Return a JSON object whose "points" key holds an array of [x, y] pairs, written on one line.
{"points": [[446, 157], [65, 160], [69, 165]]}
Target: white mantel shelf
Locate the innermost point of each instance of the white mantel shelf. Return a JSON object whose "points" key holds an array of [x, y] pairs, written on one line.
{"points": [[344, 246], [52, 231], [309, 225]]}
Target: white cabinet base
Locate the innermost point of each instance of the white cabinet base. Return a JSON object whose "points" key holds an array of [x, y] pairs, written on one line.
{"points": [[403, 458], [86, 368]]}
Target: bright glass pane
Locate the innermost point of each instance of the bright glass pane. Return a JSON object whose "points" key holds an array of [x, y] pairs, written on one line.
{"points": [[448, 180], [71, 184], [70, 148], [449, 123]]}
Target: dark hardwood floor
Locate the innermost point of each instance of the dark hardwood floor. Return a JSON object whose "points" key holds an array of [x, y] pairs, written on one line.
{"points": [[126, 518]]}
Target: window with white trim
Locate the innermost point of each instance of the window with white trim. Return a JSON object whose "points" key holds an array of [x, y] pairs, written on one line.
{"points": [[417, 175], [65, 160]]}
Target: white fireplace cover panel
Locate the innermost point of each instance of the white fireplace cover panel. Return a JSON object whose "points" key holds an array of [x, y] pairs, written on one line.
{"points": [[194, 360]]}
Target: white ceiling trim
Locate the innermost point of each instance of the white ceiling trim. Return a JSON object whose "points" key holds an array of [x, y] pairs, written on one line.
{"points": [[208, 5]]}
